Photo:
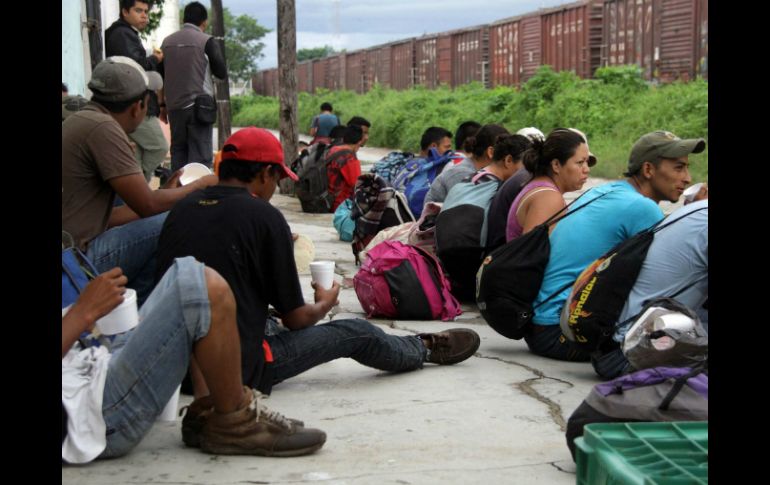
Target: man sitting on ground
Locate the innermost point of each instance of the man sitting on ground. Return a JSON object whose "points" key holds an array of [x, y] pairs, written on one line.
{"points": [[97, 163], [233, 228], [657, 170], [677, 263], [112, 397]]}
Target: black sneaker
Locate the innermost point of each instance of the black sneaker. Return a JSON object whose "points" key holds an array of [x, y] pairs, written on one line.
{"points": [[451, 346]]}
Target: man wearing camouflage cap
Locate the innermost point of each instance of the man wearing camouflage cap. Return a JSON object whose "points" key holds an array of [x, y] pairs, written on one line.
{"points": [[98, 162], [658, 169]]}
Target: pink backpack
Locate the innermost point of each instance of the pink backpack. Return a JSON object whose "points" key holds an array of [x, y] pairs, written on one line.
{"points": [[401, 281]]}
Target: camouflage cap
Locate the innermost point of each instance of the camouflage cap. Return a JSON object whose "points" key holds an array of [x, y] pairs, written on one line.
{"points": [[661, 144]]}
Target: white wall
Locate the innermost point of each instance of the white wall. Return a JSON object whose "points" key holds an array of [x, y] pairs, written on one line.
{"points": [[75, 68]]}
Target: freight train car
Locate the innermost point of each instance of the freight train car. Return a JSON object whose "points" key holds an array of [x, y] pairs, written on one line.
{"points": [[515, 46], [668, 39], [402, 70], [470, 55], [572, 37], [355, 74], [378, 60]]}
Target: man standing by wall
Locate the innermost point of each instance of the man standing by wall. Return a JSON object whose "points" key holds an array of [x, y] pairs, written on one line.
{"points": [[191, 57], [122, 39]]}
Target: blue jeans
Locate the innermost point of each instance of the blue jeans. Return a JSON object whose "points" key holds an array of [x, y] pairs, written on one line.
{"points": [[294, 352], [149, 361], [190, 140], [133, 248], [548, 341]]}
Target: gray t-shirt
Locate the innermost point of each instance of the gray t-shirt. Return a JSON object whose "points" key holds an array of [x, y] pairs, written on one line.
{"points": [[678, 256], [94, 149], [448, 178]]}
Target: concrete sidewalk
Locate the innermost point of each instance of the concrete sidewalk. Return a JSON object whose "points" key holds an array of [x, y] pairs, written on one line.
{"points": [[498, 417]]}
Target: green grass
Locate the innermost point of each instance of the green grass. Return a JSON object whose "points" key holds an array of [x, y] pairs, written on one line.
{"points": [[614, 110]]}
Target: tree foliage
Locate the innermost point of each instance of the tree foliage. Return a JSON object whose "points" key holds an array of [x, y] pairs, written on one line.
{"points": [[314, 53], [242, 42], [156, 13], [613, 110]]}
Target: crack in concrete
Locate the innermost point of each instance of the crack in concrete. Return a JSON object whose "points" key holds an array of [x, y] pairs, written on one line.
{"points": [[527, 387], [553, 464]]}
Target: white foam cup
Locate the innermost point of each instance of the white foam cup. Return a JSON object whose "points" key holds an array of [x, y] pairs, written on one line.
{"points": [[322, 273], [122, 318], [192, 172], [691, 192], [169, 413], [674, 321]]}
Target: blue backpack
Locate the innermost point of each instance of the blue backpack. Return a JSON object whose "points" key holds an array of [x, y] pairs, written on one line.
{"points": [[343, 223], [461, 230], [388, 166], [415, 178]]}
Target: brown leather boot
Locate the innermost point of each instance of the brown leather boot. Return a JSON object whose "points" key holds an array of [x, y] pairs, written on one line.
{"points": [[256, 430], [451, 346], [195, 415]]}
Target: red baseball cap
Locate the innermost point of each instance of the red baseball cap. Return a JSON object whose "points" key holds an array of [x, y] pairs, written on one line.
{"points": [[256, 145]]}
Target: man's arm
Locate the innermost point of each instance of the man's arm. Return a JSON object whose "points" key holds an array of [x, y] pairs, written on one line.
{"points": [[310, 313], [99, 298], [135, 192], [216, 58]]}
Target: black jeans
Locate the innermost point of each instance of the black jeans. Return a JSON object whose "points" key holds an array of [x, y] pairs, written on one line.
{"points": [[295, 352], [190, 140], [548, 341]]}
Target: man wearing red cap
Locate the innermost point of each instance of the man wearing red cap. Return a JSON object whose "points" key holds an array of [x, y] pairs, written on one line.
{"points": [[233, 228]]}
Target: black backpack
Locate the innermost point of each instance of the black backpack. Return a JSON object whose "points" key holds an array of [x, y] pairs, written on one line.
{"points": [[592, 309], [312, 188], [509, 279]]}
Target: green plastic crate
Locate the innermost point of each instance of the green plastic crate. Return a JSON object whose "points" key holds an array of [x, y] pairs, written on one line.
{"points": [[674, 453]]}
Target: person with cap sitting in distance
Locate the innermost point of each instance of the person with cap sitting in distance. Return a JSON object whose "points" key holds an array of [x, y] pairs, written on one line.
{"points": [[657, 171], [233, 228], [112, 396], [97, 163]]}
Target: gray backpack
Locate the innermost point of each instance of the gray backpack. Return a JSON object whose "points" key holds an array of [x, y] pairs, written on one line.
{"points": [[656, 394]]}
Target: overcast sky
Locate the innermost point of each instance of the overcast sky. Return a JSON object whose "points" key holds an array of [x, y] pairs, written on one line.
{"points": [[364, 23]]}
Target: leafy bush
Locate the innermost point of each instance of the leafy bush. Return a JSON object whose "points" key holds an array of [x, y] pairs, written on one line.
{"points": [[614, 110]]}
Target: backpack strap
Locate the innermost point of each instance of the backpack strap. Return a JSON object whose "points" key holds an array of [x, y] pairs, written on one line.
{"points": [[436, 264], [532, 192], [679, 384], [555, 218], [483, 174], [657, 227]]}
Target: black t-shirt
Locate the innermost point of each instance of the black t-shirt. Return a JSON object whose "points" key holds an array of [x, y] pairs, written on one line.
{"points": [[248, 242], [501, 204]]}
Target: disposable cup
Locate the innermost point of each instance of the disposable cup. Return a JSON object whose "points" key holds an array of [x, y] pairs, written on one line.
{"points": [[322, 273], [170, 411], [121, 319], [674, 321], [691, 192], [192, 172]]}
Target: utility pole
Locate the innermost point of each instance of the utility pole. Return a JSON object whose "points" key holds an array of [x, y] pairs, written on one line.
{"points": [[287, 85], [221, 86]]}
